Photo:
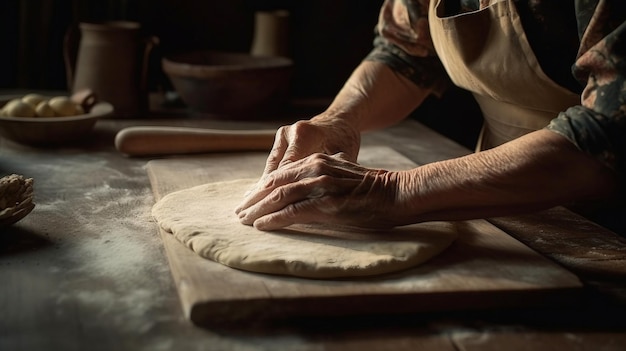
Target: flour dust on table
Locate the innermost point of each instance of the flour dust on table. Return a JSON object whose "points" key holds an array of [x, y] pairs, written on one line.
{"points": [[203, 219]]}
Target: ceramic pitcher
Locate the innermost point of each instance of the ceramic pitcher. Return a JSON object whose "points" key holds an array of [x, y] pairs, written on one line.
{"points": [[111, 59]]}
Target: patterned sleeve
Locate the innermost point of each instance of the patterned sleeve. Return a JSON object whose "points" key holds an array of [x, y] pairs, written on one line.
{"points": [[598, 125], [402, 41]]}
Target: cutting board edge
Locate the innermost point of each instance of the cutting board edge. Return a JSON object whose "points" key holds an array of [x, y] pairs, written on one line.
{"points": [[258, 310]]}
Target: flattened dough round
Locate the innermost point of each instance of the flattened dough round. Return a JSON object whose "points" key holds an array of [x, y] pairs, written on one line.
{"points": [[203, 219]]}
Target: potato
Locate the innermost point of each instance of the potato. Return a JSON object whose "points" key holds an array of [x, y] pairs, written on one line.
{"points": [[35, 105], [43, 109], [62, 106], [5, 109], [18, 108], [33, 99]]}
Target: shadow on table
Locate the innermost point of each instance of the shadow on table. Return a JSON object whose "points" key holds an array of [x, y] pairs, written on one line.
{"points": [[15, 240]]}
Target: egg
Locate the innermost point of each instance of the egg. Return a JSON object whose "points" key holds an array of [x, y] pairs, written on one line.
{"points": [[62, 106]]}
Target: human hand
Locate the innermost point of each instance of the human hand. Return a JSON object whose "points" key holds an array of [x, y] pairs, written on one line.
{"points": [[322, 134], [324, 188]]}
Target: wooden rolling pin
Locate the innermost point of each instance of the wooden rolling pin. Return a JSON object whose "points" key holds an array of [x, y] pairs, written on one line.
{"points": [[153, 140]]}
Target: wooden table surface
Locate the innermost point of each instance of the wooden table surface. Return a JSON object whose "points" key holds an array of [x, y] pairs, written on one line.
{"points": [[86, 270]]}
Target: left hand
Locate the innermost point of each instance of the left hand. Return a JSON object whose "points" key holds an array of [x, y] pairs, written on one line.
{"points": [[321, 188]]}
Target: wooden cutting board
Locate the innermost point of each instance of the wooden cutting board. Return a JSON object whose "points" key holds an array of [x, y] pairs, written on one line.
{"points": [[485, 268]]}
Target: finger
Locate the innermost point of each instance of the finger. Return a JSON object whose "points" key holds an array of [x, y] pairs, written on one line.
{"points": [[278, 151], [301, 212], [258, 191], [342, 156], [265, 186], [292, 154], [301, 142], [278, 198], [300, 192], [313, 167], [271, 181]]}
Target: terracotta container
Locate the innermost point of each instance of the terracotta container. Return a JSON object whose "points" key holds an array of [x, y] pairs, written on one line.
{"points": [[231, 85], [111, 59]]}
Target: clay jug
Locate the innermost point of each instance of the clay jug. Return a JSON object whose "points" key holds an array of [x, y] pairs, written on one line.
{"points": [[111, 59]]}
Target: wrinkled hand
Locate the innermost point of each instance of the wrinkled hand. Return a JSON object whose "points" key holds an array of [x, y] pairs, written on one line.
{"points": [[322, 188], [319, 135]]}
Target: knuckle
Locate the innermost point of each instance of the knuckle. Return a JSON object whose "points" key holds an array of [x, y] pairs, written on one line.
{"points": [[291, 212], [277, 195], [325, 180], [300, 127], [275, 154], [318, 163], [269, 182]]}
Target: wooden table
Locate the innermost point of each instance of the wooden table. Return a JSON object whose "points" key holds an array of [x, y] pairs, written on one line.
{"points": [[86, 269]]}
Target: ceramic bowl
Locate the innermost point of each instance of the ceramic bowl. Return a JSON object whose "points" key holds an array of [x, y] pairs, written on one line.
{"points": [[51, 130], [232, 85]]}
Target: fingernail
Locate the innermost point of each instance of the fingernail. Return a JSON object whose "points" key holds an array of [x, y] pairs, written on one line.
{"points": [[258, 225]]}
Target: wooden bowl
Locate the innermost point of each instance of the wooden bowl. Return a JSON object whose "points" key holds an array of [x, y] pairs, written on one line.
{"points": [[51, 130], [226, 84]]}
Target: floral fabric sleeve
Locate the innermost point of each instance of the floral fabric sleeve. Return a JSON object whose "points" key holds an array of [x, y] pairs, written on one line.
{"points": [[403, 42], [598, 125]]}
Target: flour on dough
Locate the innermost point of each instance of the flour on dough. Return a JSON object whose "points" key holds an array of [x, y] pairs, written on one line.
{"points": [[203, 219]]}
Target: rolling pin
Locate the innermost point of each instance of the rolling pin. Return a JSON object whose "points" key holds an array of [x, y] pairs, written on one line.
{"points": [[153, 140]]}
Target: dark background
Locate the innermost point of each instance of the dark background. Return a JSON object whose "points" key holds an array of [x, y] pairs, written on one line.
{"points": [[328, 39]]}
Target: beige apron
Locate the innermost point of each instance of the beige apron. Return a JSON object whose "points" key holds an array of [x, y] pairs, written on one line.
{"points": [[487, 53]]}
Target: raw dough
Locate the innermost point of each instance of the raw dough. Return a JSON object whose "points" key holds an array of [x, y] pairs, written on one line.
{"points": [[203, 219]]}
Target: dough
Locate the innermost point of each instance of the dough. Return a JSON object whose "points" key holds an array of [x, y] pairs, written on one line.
{"points": [[203, 219]]}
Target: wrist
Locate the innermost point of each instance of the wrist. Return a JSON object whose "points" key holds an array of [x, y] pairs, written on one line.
{"points": [[337, 118], [403, 190]]}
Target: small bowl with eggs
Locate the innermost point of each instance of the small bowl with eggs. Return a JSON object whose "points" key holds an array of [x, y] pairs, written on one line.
{"points": [[36, 119]]}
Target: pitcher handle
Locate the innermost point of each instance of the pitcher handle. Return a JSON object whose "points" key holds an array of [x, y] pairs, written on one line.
{"points": [[150, 43], [86, 98], [70, 52]]}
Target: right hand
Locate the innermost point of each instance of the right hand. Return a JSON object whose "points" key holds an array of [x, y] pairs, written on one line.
{"points": [[327, 189], [323, 134]]}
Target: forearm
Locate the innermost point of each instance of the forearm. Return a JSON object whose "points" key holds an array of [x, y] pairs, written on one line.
{"points": [[374, 97], [534, 172]]}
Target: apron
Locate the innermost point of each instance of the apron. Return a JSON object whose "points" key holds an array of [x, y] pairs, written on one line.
{"points": [[487, 53]]}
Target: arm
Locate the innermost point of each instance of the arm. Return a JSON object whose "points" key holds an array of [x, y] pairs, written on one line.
{"points": [[537, 171], [393, 80], [534, 172], [375, 97], [580, 156]]}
